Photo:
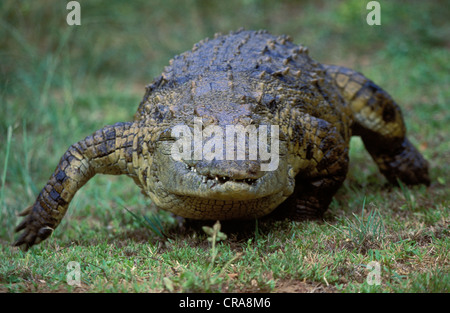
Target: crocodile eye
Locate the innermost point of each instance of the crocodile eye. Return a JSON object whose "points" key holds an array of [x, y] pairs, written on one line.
{"points": [[166, 135]]}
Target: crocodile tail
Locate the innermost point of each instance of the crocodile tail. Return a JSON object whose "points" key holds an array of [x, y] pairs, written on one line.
{"points": [[379, 121], [106, 151]]}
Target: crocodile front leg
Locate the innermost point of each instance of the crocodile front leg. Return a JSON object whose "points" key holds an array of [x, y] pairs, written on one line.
{"points": [[107, 151], [319, 163], [314, 190]]}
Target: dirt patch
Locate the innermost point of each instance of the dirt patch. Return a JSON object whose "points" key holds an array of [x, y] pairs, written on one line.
{"points": [[296, 286]]}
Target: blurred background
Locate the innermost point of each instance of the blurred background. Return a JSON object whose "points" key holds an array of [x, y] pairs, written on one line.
{"points": [[60, 83]]}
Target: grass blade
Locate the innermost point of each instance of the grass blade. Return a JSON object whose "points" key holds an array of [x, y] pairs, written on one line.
{"points": [[153, 224], [5, 165]]}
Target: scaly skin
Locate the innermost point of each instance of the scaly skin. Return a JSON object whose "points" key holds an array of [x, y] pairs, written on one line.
{"points": [[244, 78], [107, 151], [379, 122]]}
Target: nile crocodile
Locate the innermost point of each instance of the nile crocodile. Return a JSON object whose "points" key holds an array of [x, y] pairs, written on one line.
{"points": [[246, 78]]}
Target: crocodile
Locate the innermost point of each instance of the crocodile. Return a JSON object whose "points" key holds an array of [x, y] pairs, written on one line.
{"points": [[251, 79]]}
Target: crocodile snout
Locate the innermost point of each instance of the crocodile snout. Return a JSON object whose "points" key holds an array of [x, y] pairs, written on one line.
{"points": [[227, 170]]}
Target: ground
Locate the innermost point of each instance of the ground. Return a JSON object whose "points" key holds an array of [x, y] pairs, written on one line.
{"points": [[59, 83]]}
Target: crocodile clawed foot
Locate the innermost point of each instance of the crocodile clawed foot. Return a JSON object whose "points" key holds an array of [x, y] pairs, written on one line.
{"points": [[408, 166], [308, 210], [34, 230]]}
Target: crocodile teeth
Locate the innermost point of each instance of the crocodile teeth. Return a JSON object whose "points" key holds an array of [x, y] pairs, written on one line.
{"points": [[221, 179]]}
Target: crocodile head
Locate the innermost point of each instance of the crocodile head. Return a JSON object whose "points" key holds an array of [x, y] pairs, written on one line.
{"points": [[218, 153]]}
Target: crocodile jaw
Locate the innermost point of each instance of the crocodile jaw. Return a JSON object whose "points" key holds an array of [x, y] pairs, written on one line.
{"points": [[184, 191]]}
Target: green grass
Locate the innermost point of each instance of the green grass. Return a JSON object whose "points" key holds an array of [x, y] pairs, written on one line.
{"points": [[59, 84]]}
